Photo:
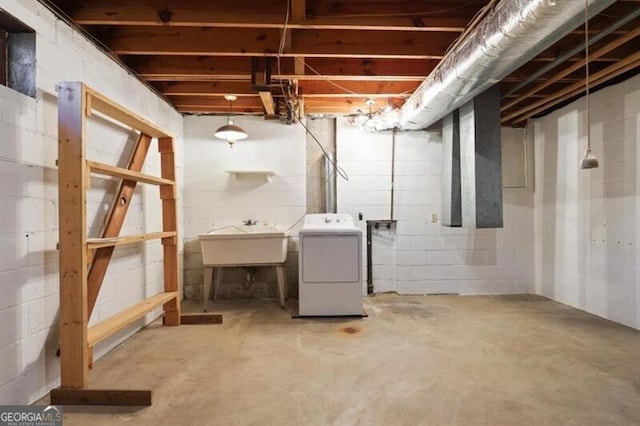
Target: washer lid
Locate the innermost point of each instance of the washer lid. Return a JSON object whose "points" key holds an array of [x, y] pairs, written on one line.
{"points": [[329, 222]]}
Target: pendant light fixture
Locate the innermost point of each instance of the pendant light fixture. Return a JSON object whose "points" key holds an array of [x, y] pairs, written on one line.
{"points": [[589, 161], [230, 132]]}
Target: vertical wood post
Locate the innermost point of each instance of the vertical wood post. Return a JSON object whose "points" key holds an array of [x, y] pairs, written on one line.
{"points": [[72, 234], [168, 194]]}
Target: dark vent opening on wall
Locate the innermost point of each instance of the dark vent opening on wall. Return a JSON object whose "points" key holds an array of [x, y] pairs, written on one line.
{"points": [[17, 55]]}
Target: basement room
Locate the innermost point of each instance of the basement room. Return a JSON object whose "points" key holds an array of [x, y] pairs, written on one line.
{"points": [[320, 212]]}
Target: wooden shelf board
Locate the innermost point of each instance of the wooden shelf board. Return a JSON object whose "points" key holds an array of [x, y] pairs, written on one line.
{"points": [[106, 169], [104, 105], [252, 174], [106, 328], [95, 243]]}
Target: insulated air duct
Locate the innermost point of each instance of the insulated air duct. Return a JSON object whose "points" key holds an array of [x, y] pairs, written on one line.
{"points": [[510, 36]]}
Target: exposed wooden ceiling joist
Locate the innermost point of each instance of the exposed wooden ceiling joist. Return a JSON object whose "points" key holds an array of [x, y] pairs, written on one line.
{"points": [[313, 88], [335, 52], [156, 68], [254, 14], [575, 66], [595, 78], [265, 42]]}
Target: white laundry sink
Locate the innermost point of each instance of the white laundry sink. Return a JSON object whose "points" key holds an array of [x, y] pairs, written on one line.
{"points": [[244, 245]]}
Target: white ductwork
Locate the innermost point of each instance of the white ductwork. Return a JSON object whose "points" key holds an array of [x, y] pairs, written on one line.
{"points": [[510, 36]]}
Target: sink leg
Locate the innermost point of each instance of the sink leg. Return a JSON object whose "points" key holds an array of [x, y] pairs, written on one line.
{"points": [[207, 287], [282, 285], [217, 272]]}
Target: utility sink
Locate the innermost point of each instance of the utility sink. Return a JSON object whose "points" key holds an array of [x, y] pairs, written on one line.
{"points": [[244, 245]]}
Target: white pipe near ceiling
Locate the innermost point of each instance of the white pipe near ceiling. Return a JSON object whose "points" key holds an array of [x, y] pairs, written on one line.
{"points": [[510, 36]]}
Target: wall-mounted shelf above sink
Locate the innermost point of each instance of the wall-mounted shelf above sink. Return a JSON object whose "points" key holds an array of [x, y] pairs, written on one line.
{"points": [[264, 175]]}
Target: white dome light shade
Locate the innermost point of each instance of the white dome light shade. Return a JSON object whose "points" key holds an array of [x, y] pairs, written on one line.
{"points": [[230, 132]]}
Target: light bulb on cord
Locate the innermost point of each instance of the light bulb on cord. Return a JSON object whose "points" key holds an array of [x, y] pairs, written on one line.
{"points": [[230, 132], [589, 160]]}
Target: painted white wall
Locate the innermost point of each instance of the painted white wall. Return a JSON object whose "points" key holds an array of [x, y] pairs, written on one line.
{"points": [[29, 203], [421, 256], [586, 221], [214, 198]]}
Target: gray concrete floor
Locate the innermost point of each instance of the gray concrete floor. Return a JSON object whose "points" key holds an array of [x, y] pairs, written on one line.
{"points": [[432, 360]]}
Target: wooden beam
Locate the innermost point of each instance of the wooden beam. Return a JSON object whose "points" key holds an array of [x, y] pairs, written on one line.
{"points": [[240, 105], [96, 243], [265, 42], [205, 88], [119, 172], [199, 109], [111, 325], [575, 88], [72, 233], [267, 102], [593, 82], [371, 88], [165, 68], [201, 319], [313, 105], [299, 14], [346, 105], [251, 14], [64, 396], [574, 67], [100, 103], [159, 68], [169, 224], [316, 88], [115, 220]]}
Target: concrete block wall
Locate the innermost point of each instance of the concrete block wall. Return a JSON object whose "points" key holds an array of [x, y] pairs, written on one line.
{"points": [[29, 306], [214, 198], [419, 256], [586, 221]]}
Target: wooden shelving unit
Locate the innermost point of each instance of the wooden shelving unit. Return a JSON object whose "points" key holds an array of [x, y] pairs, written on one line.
{"points": [[83, 261]]}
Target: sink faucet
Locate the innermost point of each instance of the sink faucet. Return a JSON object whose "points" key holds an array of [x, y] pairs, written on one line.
{"points": [[249, 222]]}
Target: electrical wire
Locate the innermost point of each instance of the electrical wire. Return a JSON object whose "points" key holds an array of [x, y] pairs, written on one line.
{"points": [[329, 80], [297, 222], [586, 67], [283, 37], [289, 101]]}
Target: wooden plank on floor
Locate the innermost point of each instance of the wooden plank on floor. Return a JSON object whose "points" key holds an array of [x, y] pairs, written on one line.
{"points": [[64, 396], [106, 328], [200, 319], [72, 233]]}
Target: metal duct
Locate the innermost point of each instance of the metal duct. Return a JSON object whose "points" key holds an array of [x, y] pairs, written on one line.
{"points": [[510, 36]]}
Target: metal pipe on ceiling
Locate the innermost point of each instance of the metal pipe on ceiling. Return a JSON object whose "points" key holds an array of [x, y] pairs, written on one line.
{"points": [[510, 36]]}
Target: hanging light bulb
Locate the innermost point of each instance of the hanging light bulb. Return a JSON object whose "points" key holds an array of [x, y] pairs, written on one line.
{"points": [[230, 132], [589, 160]]}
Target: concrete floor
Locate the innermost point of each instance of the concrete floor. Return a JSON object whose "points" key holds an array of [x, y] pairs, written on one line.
{"points": [[432, 360]]}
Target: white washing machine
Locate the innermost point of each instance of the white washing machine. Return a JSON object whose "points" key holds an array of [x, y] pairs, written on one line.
{"points": [[330, 266]]}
